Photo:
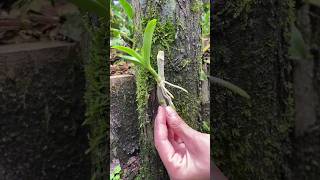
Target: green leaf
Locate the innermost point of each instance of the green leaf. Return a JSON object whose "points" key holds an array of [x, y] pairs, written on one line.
{"points": [[131, 59], [129, 51], [117, 169], [203, 75], [92, 6], [298, 48], [127, 8], [230, 86], [115, 32], [147, 40], [117, 177], [205, 126]]}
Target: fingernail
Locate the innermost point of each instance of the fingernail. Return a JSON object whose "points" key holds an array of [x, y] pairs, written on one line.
{"points": [[170, 111]]}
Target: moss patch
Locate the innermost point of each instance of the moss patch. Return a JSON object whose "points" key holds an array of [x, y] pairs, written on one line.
{"points": [[196, 6], [97, 97]]}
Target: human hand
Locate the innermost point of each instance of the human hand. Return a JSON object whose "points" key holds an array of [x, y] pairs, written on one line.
{"points": [[184, 151]]}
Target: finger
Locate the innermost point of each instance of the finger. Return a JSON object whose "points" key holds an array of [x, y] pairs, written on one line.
{"points": [[178, 146], [162, 143], [179, 127], [177, 139]]}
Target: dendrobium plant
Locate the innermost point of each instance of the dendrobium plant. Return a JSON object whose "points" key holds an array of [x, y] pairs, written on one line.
{"points": [[143, 60]]}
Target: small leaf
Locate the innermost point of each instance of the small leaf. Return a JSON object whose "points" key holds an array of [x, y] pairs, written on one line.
{"points": [[127, 8], [205, 126], [117, 169], [131, 59], [203, 76], [117, 177], [298, 49], [147, 40], [130, 52], [230, 86]]}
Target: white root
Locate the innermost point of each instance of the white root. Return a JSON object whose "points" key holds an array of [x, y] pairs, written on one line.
{"points": [[164, 95]]}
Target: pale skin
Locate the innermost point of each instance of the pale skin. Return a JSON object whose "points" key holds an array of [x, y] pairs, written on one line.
{"points": [[184, 151]]}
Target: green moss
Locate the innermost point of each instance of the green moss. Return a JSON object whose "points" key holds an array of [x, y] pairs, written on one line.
{"points": [[165, 35], [185, 62], [239, 8], [97, 97], [252, 137], [164, 39], [188, 106], [196, 6]]}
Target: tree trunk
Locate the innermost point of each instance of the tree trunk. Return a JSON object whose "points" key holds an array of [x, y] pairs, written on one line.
{"points": [[306, 154], [250, 50], [97, 93], [178, 34]]}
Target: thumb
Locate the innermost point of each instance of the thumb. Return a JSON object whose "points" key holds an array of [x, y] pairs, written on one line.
{"points": [[179, 127]]}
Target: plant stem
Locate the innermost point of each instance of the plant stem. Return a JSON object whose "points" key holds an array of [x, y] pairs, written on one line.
{"points": [[155, 75]]}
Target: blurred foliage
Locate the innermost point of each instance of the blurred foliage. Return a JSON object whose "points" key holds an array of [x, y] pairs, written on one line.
{"points": [[97, 95], [121, 23], [298, 48], [205, 128], [205, 20], [229, 86], [99, 7], [115, 175]]}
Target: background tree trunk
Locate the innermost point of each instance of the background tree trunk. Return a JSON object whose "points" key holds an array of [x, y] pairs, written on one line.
{"points": [[95, 51], [306, 153], [250, 49], [178, 33]]}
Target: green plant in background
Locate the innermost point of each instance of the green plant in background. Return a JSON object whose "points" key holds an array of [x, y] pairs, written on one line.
{"points": [[298, 48], [116, 174], [143, 60], [97, 86], [121, 24], [205, 20], [99, 7], [205, 127]]}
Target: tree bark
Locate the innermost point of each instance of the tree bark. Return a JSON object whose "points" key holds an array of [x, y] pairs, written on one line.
{"points": [[306, 153], [250, 50], [97, 93], [178, 34]]}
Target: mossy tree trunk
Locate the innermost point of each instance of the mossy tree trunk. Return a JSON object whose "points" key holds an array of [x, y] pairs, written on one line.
{"points": [[178, 34], [95, 51], [250, 49]]}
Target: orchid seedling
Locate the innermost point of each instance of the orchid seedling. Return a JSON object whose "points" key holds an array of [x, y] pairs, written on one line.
{"points": [[143, 60]]}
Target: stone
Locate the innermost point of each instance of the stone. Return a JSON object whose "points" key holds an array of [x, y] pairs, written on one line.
{"points": [[41, 111], [123, 118]]}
